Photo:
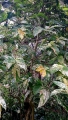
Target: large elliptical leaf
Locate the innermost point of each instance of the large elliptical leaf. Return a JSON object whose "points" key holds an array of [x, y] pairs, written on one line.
{"points": [[61, 68], [20, 62], [44, 96], [9, 61], [60, 84], [37, 30], [57, 91]]}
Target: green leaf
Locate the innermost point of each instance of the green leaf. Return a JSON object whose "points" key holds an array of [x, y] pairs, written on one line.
{"points": [[65, 71], [52, 60], [37, 87], [61, 59], [18, 1], [55, 49], [37, 30], [3, 16]]}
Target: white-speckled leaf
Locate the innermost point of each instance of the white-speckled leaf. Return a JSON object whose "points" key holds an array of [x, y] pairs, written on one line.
{"points": [[60, 84], [44, 96], [9, 61], [20, 62], [57, 91]]}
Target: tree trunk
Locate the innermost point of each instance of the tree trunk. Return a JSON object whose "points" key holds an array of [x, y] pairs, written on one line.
{"points": [[29, 110]]}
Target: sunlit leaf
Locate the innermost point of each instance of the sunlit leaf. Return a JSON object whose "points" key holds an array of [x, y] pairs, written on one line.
{"points": [[1, 70], [62, 68], [60, 84], [57, 91], [6, 86], [56, 67], [63, 85], [44, 96], [2, 102], [32, 1]]}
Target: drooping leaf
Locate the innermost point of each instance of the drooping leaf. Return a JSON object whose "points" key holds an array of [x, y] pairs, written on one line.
{"points": [[57, 91], [44, 96], [60, 84]]}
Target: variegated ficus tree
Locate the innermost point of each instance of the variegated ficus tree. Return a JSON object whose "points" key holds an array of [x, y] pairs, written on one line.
{"points": [[33, 56]]}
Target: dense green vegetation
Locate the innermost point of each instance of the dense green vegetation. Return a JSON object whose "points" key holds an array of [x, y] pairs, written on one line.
{"points": [[33, 60]]}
